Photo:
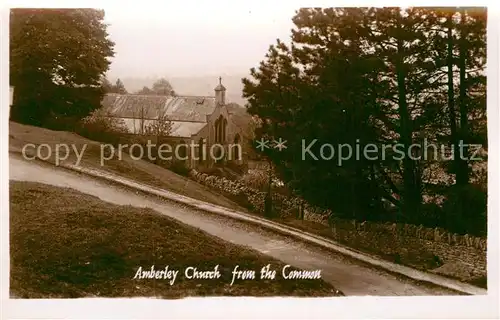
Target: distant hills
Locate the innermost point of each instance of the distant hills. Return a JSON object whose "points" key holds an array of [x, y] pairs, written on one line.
{"points": [[199, 85]]}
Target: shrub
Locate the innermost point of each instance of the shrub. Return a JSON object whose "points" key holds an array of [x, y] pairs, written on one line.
{"points": [[242, 200], [240, 169], [218, 172], [256, 179], [61, 123], [101, 128], [465, 210], [432, 215], [179, 167]]}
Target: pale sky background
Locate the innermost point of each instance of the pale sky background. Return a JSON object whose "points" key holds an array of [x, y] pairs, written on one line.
{"points": [[177, 38], [194, 39], [188, 39]]}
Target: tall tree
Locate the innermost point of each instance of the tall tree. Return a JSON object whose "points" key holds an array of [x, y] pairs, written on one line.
{"points": [[357, 77], [316, 91], [145, 91], [119, 87], [163, 87], [106, 85], [454, 138], [472, 91], [466, 204], [400, 38], [57, 58]]}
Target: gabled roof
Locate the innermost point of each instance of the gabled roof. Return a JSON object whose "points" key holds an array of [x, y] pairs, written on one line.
{"points": [[182, 129], [175, 108], [239, 115], [186, 129]]}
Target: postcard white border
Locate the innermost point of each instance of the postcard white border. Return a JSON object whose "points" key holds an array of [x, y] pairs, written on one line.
{"points": [[265, 308]]}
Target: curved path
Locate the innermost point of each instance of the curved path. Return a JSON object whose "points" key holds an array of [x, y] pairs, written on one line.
{"points": [[348, 275]]}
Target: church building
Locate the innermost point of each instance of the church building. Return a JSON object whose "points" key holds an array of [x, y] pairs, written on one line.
{"points": [[206, 129]]}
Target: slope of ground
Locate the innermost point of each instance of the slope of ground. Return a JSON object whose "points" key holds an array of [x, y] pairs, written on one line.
{"points": [[139, 170], [64, 243], [423, 259], [150, 174]]}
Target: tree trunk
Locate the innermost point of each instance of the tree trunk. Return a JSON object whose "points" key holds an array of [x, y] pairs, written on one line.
{"points": [[411, 193], [463, 169], [451, 97], [268, 202]]}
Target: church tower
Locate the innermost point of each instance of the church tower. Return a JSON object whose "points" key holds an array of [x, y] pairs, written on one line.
{"points": [[220, 94]]}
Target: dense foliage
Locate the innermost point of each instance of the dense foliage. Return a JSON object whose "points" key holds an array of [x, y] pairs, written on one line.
{"points": [[57, 60], [160, 87], [118, 87], [381, 81]]}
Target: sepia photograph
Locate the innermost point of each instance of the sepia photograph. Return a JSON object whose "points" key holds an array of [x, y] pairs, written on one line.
{"points": [[314, 152]]}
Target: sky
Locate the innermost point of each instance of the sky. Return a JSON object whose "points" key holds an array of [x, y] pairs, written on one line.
{"points": [[194, 39], [189, 38]]}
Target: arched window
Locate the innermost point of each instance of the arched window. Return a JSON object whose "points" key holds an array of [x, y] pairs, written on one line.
{"points": [[221, 129], [224, 127], [216, 131]]}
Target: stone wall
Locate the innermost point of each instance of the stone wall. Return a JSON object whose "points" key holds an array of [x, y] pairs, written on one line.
{"points": [[284, 206], [421, 247], [425, 248]]}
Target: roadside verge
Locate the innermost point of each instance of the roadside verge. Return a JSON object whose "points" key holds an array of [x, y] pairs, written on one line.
{"points": [[286, 230]]}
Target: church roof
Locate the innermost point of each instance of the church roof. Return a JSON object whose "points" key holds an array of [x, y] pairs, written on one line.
{"points": [[239, 115], [186, 129], [175, 108]]}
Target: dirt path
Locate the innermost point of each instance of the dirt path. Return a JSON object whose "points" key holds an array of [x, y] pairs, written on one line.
{"points": [[349, 276]]}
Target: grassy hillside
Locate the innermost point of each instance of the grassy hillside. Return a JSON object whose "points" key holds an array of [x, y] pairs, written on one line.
{"points": [[65, 244], [139, 170]]}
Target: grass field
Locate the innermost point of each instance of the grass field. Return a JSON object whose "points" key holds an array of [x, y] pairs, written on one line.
{"points": [[150, 174], [65, 244], [138, 170]]}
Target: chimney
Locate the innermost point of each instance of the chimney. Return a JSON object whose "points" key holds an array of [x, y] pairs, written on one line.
{"points": [[220, 93]]}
